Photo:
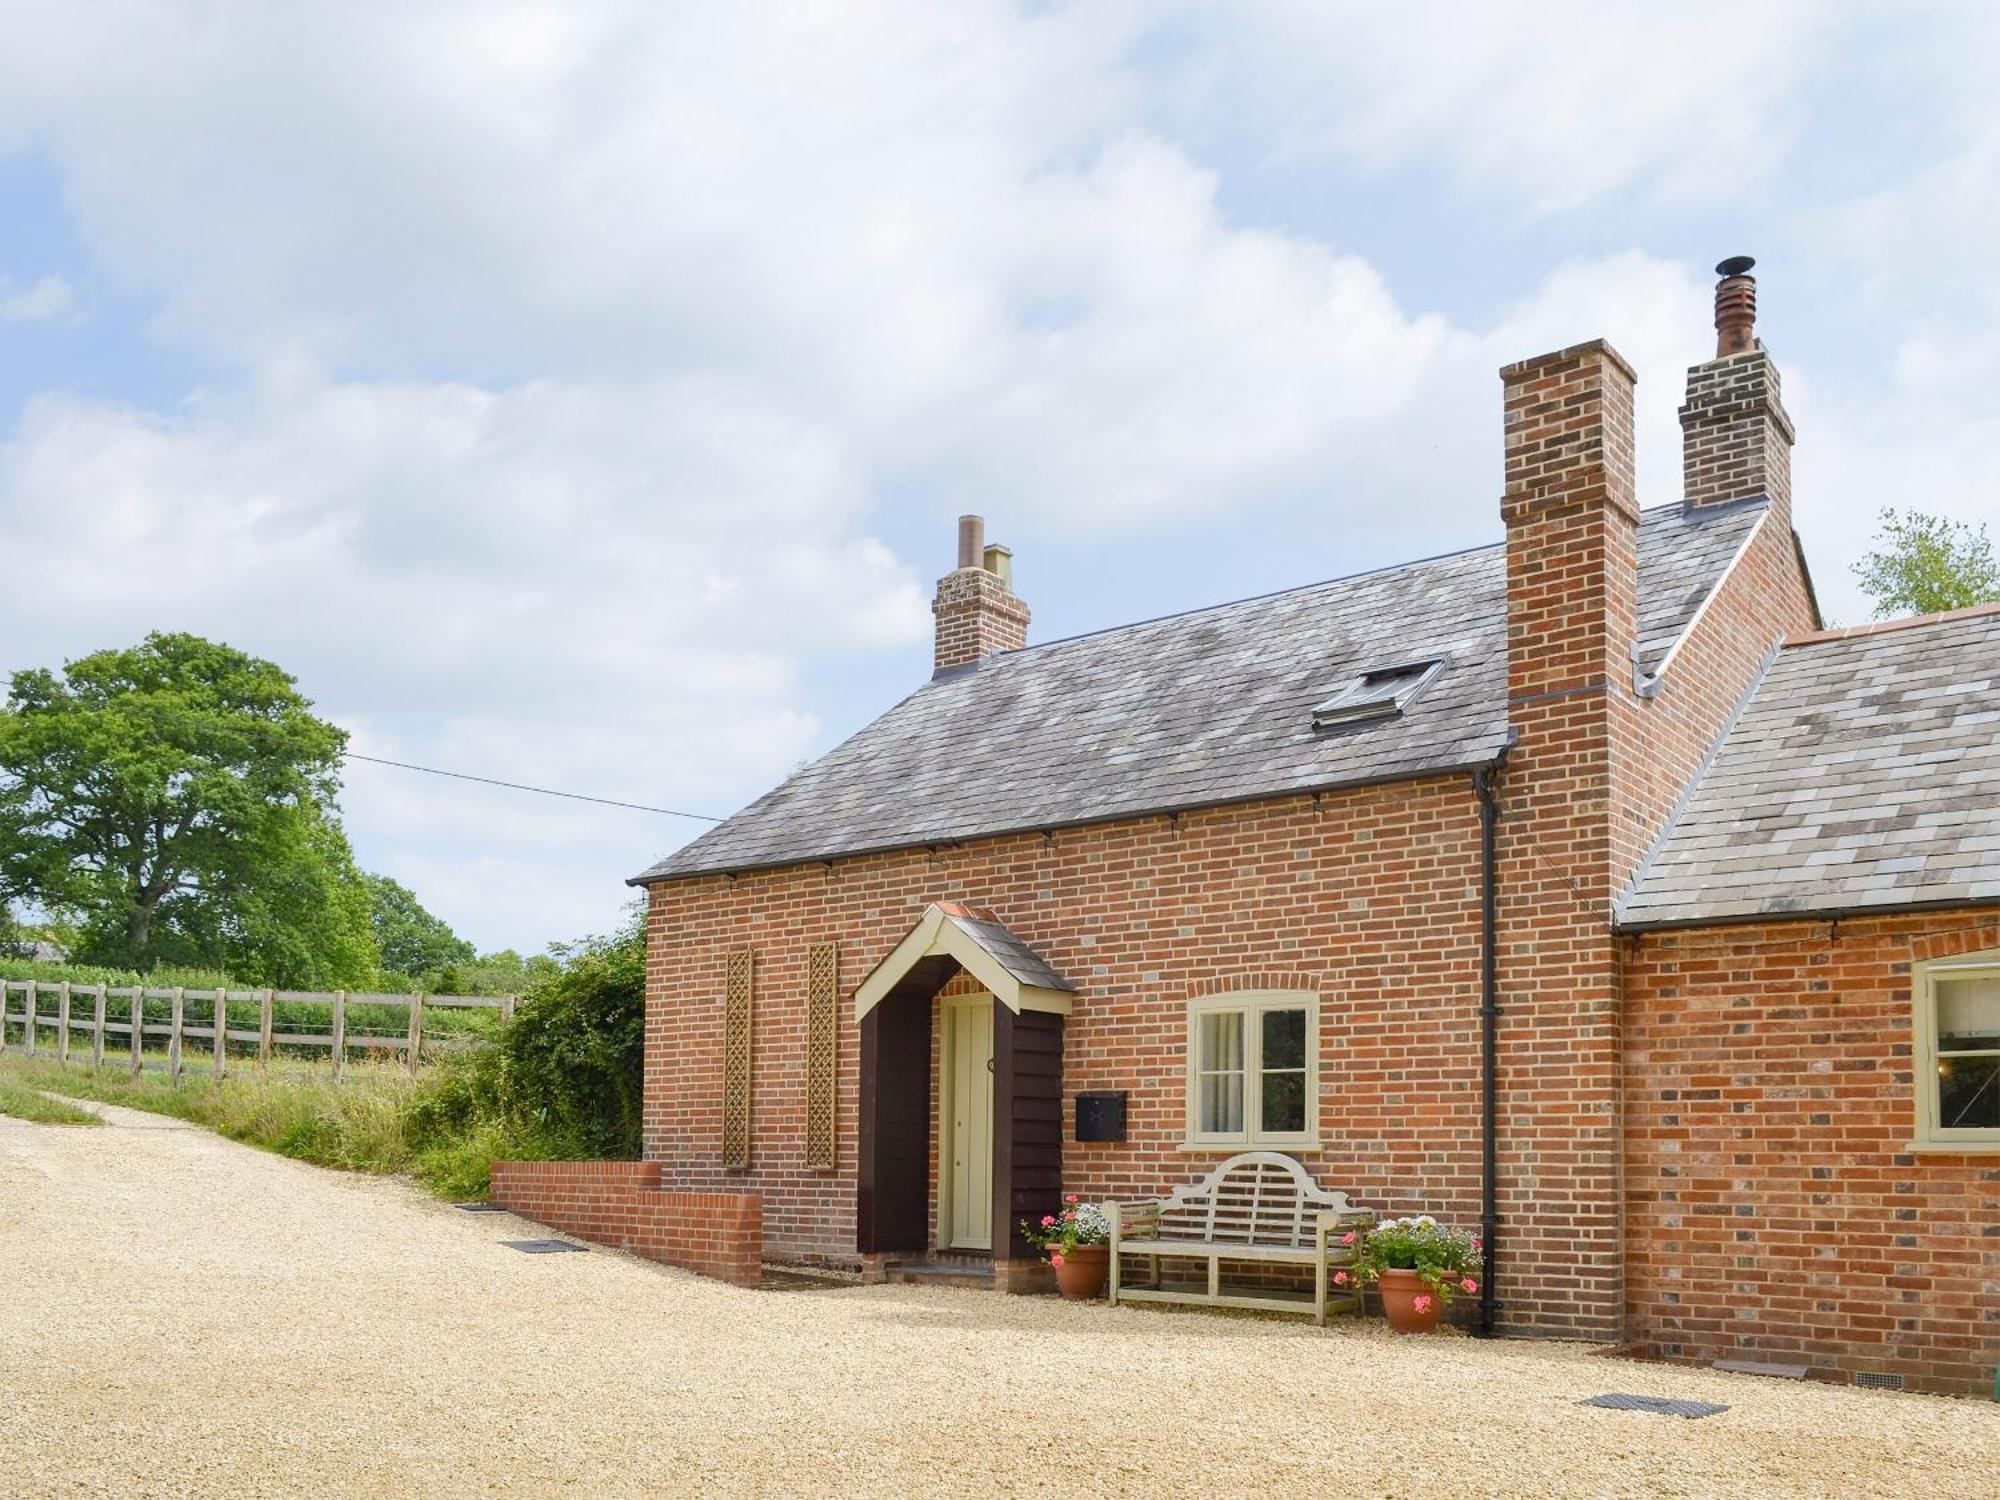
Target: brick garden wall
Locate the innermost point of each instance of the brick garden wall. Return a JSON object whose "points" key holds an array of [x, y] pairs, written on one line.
{"points": [[621, 1204], [1772, 1208]]}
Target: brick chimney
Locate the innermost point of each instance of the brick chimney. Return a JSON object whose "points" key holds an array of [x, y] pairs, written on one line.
{"points": [[977, 613], [1572, 517], [1736, 438]]}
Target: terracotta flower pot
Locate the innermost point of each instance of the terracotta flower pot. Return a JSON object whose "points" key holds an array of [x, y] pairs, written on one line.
{"points": [[1083, 1271], [1401, 1291]]}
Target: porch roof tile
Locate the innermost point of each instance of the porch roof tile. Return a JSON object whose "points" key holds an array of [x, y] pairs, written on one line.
{"points": [[1013, 955]]}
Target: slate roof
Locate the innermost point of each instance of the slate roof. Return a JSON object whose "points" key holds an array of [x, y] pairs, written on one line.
{"points": [[1193, 710], [1008, 951], [1863, 774]]}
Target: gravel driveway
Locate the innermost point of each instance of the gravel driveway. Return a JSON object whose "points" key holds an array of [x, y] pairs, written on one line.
{"points": [[180, 1315]]}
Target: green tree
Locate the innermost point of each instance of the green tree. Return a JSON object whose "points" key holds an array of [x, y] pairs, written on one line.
{"points": [[1922, 564], [412, 940], [176, 801], [301, 919], [503, 973]]}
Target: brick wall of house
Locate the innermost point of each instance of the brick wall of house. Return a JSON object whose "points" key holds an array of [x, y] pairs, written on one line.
{"points": [[1368, 897], [622, 1204], [1772, 1208]]}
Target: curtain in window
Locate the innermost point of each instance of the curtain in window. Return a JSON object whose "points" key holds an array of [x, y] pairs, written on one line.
{"points": [[1220, 1093]]}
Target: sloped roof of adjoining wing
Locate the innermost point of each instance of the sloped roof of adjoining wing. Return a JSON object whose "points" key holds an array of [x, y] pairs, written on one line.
{"points": [[1862, 775], [1018, 976], [1196, 710]]}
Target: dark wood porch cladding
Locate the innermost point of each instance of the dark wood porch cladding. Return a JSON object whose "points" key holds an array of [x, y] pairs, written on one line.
{"points": [[1027, 1124], [892, 1202]]}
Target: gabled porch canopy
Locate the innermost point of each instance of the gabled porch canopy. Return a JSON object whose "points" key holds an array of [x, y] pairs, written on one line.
{"points": [[979, 943]]}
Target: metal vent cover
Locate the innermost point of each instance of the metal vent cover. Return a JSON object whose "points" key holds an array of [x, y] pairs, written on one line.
{"points": [[1663, 1406], [540, 1247], [1878, 1380]]}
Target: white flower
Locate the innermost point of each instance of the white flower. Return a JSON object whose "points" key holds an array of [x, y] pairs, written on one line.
{"points": [[1092, 1219]]}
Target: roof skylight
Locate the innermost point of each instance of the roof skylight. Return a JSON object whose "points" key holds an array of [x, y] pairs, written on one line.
{"points": [[1378, 693]]}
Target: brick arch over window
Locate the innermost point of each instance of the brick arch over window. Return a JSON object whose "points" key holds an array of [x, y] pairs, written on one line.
{"points": [[1269, 979], [1928, 945]]}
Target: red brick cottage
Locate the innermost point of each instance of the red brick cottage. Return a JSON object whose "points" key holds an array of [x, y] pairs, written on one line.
{"points": [[1578, 885]]}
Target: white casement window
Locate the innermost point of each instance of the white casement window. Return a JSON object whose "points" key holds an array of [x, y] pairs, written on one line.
{"points": [[1253, 1070], [1956, 1026]]}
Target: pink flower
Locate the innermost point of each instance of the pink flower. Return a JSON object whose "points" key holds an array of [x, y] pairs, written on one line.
{"points": [[1347, 1238], [1468, 1285], [1056, 1259], [1340, 1278], [1069, 1197], [1422, 1302], [1048, 1221]]}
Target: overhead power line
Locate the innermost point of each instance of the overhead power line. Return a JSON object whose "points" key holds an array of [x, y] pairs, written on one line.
{"points": [[517, 786]]}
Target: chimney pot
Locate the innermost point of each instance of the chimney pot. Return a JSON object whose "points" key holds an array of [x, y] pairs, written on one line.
{"points": [[1735, 307], [1736, 439], [971, 541], [999, 561]]}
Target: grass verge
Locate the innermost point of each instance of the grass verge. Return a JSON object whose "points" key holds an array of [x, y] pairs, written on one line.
{"points": [[26, 1103], [374, 1120], [563, 1082]]}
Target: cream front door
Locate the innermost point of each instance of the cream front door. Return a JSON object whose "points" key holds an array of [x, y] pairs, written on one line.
{"points": [[966, 1141]]}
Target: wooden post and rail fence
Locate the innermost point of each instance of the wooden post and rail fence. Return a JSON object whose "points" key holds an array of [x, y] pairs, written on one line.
{"points": [[31, 1008]]}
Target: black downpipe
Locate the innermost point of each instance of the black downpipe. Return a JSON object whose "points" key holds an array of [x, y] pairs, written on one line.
{"points": [[1489, 1043]]}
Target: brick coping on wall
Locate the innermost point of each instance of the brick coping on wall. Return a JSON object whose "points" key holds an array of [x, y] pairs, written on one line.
{"points": [[622, 1205]]}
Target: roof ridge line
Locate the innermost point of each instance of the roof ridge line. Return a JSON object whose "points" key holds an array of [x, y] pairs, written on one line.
{"points": [[1884, 627], [1203, 609], [1671, 507]]}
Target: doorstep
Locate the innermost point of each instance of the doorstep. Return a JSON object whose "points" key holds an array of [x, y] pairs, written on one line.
{"points": [[971, 1275]]}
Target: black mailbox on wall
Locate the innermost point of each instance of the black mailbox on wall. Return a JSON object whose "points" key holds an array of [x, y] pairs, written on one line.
{"points": [[1100, 1115]]}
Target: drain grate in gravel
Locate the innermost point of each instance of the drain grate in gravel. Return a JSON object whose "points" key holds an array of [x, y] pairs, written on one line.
{"points": [[541, 1247], [1659, 1405], [479, 1208]]}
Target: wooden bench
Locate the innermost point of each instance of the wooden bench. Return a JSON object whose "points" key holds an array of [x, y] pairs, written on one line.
{"points": [[1259, 1207]]}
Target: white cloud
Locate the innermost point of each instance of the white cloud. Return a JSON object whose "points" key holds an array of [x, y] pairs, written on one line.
{"points": [[48, 299], [1545, 103], [610, 591]]}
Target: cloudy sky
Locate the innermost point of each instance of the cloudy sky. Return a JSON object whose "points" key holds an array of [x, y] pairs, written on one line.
{"points": [[581, 394]]}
